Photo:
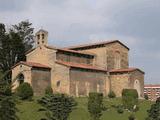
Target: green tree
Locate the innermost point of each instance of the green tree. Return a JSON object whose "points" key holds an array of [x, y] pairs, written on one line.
{"points": [[7, 105], [154, 112], [25, 31], [95, 105], [14, 44], [58, 106]]}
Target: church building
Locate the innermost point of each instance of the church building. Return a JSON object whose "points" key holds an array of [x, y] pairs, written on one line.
{"points": [[78, 70]]}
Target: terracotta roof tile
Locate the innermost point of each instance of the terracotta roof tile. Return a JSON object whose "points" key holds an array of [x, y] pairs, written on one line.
{"points": [[31, 64], [83, 66], [125, 70], [96, 44], [150, 85]]}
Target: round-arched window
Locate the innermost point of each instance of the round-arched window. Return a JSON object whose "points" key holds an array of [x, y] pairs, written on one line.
{"points": [[117, 60], [21, 79]]}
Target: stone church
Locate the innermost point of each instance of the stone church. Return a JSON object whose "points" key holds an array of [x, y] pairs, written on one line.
{"points": [[78, 70]]}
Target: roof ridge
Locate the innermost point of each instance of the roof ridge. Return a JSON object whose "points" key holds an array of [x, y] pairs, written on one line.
{"points": [[94, 44]]}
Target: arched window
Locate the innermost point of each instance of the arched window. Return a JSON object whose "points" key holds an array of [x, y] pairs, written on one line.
{"points": [[21, 79], [117, 60], [58, 83], [42, 36], [137, 86]]}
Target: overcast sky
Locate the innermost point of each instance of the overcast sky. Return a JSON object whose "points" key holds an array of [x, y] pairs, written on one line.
{"points": [[134, 22]]}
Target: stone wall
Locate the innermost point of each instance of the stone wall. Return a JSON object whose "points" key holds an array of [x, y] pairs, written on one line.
{"points": [[119, 82], [42, 55], [75, 58], [60, 79], [105, 55], [100, 59], [41, 79], [137, 82], [23, 69], [84, 81], [111, 50]]}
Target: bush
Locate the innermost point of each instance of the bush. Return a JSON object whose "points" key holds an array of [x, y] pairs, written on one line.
{"points": [[95, 105], [48, 90], [129, 98], [25, 91], [58, 106], [146, 96], [111, 94], [131, 117], [120, 110]]}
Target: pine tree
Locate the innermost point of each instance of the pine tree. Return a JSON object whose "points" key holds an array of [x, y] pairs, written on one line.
{"points": [[154, 112], [7, 105], [58, 106]]}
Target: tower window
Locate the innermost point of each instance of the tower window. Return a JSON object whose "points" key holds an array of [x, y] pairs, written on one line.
{"points": [[38, 36], [42, 36]]}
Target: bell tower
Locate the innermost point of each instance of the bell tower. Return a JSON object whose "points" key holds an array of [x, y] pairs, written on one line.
{"points": [[41, 38]]}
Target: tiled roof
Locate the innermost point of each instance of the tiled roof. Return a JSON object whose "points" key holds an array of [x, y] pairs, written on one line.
{"points": [[71, 51], [29, 51], [31, 64], [125, 70], [82, 66], [150, 85], [96, 44]]}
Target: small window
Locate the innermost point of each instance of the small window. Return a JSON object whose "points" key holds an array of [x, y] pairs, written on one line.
{"points": [[42, 41], [58, 83], [38, 36], [42, 36], [38, 42]]}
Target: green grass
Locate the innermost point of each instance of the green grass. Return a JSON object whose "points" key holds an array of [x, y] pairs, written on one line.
{"points": [[29, 110]]}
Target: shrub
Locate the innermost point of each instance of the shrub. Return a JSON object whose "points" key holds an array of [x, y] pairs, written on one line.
{"points": [[131, 117], [129, 98], [58, 106], [95, 105], [25, 91], [120, 110], [111, 94], [146, 96], [48, 90]]}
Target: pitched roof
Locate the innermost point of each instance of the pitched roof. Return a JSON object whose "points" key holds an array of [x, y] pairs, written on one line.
{"points": [[70, 51], [31, 64], [29, 51], [125, 70], [82, 66], [96, 44]]}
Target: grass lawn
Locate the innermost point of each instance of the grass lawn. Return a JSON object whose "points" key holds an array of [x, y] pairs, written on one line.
{"points": [[29, 110]]}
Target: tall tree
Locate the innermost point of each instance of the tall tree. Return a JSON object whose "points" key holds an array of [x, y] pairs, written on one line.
{"points": [[25, 31], [12, 49]]}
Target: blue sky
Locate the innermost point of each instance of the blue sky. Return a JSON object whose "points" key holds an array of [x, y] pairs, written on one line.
{"points": [[70, 22]]}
